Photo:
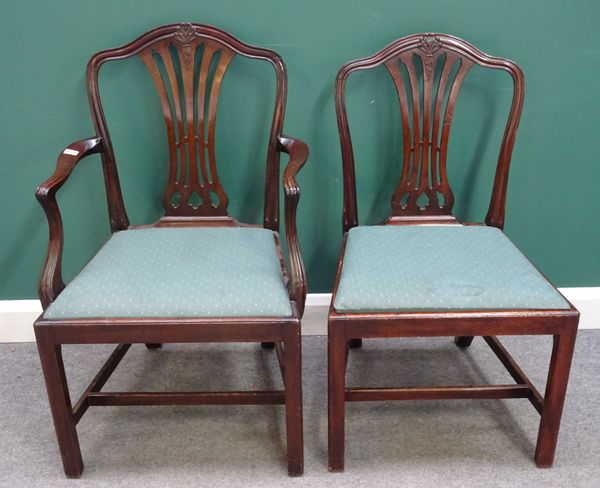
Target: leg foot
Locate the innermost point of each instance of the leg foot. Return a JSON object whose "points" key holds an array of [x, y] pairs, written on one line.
{"points": [[336, 372], [463, 341], [556, 388], [60, 406], [293, 401]]}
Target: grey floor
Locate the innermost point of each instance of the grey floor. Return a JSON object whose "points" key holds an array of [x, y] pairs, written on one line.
{"points": [[460, 443]]}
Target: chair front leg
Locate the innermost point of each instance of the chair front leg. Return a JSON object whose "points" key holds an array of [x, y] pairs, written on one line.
{"points": [[293, 400], [556, 388], [60, 406], [336, 374]]}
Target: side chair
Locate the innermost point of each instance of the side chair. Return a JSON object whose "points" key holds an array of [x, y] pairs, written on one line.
{"points": [[196, 275], [422, 273]]}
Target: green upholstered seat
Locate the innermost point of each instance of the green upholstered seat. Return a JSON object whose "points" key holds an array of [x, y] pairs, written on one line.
{"points": [[168, 272], [430, 268]]}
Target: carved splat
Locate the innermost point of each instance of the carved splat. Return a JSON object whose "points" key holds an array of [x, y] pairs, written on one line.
{"points": [[188, 71], [428, 71], [425, 134], [187, 63]]}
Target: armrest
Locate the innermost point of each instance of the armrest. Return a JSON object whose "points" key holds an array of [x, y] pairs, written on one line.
{"points": [[51, 282], [298, 152]]}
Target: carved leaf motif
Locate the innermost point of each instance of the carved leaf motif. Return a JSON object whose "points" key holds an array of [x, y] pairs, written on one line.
{"points": [[186, 34], [428, 46]]}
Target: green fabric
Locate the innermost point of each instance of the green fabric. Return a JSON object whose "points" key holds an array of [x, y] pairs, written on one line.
{"points": [[400, 268], [168, 272]]}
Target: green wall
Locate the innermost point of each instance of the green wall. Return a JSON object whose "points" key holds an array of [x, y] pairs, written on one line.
{"points": [[552, 211]]}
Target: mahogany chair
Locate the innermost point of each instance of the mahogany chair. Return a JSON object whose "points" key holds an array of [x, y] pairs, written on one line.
{"points": [[157, 283], [424, 274]]}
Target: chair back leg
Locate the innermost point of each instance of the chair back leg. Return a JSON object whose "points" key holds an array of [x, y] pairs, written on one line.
{"points": [[463, 341]]}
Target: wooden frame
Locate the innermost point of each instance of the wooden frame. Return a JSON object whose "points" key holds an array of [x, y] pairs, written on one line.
{"points": [[425, 148], [182, 122]]}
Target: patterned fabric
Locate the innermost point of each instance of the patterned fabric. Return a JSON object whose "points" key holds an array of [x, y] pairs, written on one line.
{"points": [[427, 268], [179, 272]]}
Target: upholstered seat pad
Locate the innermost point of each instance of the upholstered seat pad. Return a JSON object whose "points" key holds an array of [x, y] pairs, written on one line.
{"points": [[166, 272], [447, 267]]}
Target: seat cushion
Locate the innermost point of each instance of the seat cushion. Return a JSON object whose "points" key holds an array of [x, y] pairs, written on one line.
{"points": [[168, 272], [429, 268]]}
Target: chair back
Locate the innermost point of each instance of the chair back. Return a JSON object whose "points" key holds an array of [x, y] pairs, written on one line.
{"points": [[187, 63], [428, 71]]}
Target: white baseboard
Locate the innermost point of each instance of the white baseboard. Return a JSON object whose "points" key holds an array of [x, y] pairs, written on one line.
{"points": [[587, 301], [17, 316], [16, 319]]}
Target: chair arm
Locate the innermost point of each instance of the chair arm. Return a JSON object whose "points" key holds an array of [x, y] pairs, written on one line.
{"points": [[51, 282], [298, 153]]}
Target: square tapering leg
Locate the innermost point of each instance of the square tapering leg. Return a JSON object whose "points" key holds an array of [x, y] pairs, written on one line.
{"points": [[60, 406], [336, 368], [556, 389], [293, 400]]}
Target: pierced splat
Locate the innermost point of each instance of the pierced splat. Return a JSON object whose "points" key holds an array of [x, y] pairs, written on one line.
{"points": [[188, 71], [187, 63], [423, 187], [428, 71]]}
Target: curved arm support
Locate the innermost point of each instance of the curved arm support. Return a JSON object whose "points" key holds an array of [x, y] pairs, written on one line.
{"points": [[51, 282], [298, 153]]}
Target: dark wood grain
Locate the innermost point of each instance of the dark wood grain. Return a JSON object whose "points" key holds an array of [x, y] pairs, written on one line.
{"points": [[427, 71], [437, 393], [193, 197], [187, 398]]}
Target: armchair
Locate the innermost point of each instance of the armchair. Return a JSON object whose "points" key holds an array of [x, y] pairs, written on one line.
{"points": [[156, 283]]}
